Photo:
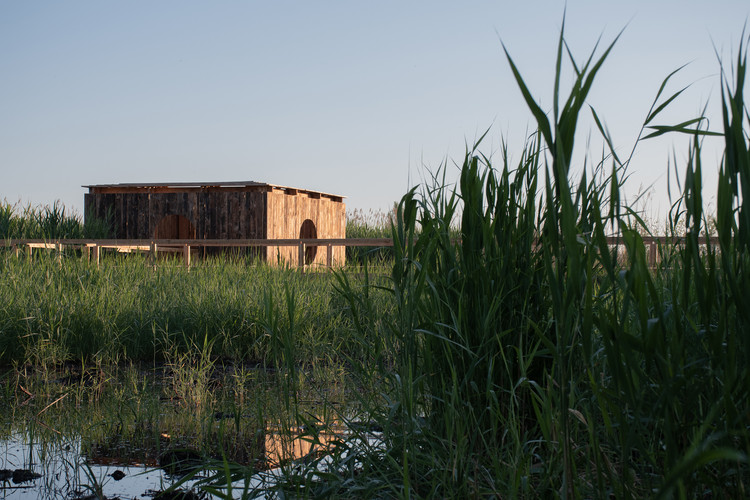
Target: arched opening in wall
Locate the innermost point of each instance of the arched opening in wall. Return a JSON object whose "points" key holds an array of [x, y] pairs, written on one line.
{"points": [[308, 231], [174, 227]]}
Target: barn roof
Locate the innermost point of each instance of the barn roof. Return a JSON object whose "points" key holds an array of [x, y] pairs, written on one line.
{"points": [[177, 187]]}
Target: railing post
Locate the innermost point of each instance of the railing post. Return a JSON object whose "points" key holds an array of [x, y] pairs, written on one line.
{"points": [[59, 250], [186, 255], [152, 254], [329, 256], [659, 251], [652, 254], [96, 255], [301, 255]]}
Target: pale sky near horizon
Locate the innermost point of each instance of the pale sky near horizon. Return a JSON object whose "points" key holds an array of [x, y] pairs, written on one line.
{"points": [[354, 98]]}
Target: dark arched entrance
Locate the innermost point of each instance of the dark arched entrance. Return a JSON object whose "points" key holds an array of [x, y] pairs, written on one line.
{"points": [[308, 231], [174, 227]]}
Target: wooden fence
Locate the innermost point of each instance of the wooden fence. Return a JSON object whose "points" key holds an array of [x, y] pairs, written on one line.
{"points": [[91, 249]]}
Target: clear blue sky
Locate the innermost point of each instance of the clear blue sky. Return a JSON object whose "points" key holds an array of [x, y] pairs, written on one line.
{"points": [[354, 98]]}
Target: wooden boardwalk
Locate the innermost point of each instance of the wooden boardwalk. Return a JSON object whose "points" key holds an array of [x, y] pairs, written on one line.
{"points": [[92, 248]]}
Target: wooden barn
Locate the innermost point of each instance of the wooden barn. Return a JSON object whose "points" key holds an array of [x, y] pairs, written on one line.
{"points": [[223, 210]]}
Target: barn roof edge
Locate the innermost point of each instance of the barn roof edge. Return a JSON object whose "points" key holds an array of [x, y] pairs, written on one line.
{"points": [[194, 185]]}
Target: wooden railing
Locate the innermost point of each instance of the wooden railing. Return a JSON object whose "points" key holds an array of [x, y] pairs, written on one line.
{"points": [[653, 243], [92, 248]]}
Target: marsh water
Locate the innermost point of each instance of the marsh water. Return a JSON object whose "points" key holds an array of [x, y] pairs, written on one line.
{"points": [[60, 470], [160, 431]]}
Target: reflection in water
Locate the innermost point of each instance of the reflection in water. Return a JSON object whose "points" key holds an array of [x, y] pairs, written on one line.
{"points": [[136, 432], [56, 470], [285, 446], [59, 471]]}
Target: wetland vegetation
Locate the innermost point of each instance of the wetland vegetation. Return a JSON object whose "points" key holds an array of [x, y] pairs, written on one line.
{"points": [[525, 358]]}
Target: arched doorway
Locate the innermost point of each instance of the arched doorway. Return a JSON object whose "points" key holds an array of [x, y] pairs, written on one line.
{"points": [[174, 227], [308, 231]]}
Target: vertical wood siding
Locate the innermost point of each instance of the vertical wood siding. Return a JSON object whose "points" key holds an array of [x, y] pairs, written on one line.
{"points": [[286, 214], [255, 212]]}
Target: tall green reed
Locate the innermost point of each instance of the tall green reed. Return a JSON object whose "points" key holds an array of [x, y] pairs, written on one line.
{"points": [[125, 310], [530, 357]]}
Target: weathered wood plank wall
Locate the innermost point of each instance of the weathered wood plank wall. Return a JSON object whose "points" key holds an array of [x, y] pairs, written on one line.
{"points": [[213, 214], [258, 211]]}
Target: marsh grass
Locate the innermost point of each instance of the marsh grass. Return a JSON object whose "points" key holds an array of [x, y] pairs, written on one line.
{"points": [[48, 222], [529, 358], [190, 376], [138, 360], [127, 311], [369, 224]]}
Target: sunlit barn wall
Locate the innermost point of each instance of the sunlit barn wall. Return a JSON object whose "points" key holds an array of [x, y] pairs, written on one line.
{"points": [[287, 212]]}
